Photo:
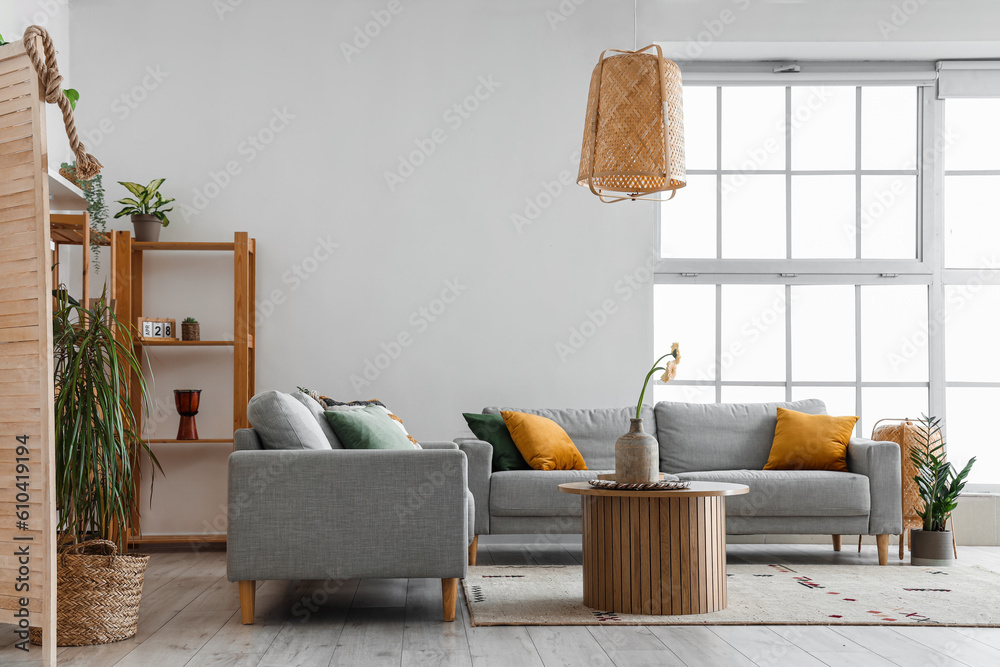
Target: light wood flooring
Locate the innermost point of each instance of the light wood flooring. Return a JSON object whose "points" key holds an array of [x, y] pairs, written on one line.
{"points": [[190, 616]]}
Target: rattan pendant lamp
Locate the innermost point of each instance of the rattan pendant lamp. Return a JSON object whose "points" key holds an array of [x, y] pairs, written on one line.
{"points": [[633, 138]]}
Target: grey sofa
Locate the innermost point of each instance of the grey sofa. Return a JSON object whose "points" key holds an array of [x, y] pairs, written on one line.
{"points": [[707, 442], [329, 513]]}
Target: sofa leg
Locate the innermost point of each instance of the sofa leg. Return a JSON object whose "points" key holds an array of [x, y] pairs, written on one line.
{"points": [[248, 590], [836, 542], [901, 545], [883, 549], [449, 597], [860, 539], [473, 550]]}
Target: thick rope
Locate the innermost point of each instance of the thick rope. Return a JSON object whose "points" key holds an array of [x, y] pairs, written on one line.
{"points": [[87, 166]]}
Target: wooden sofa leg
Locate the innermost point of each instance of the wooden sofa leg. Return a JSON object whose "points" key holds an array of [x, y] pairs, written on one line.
{"points": [[247, 591], [860, 539], [883, 549], [836, 542], [901, 545], [473, 550], [449, 597]]}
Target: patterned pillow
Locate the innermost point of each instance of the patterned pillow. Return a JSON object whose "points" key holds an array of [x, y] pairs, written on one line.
{"points": [[330, 404]]}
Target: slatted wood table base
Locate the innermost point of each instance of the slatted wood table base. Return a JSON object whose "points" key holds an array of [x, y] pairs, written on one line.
{"points": [[658, 553]]}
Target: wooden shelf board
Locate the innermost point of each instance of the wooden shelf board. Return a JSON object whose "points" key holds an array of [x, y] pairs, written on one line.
{"points": [[182, 245], [179, 539], [184, 343], [160, 441]]}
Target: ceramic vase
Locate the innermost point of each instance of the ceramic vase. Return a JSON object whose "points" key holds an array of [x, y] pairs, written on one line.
{"points": [[637, 456]]}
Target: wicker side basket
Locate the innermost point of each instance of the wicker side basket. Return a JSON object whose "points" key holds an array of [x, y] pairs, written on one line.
{"points": [[98, 594]]}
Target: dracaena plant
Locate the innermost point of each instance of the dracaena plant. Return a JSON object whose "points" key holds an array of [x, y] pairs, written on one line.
{"points": [[97, 437], [937, 480], [147, 200]]}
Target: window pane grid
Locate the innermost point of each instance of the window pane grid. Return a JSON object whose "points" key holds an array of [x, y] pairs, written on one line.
{"points": [[815, 121]]}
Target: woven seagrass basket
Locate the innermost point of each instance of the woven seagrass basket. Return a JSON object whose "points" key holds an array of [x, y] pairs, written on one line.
{"points": [[98, 594]]}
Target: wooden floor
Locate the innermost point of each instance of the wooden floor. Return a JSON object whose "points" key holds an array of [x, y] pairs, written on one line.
{"points": [[190, 616]]}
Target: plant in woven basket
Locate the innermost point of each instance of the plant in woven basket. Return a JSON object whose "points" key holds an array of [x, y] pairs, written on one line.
{"points": [[98, 443], [93, 192], [938, 482]]}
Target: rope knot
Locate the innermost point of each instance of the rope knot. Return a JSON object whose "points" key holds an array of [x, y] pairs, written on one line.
{"points": [[87, 166]]}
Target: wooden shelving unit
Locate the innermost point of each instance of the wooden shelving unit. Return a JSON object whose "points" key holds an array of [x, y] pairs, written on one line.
{"points": [[126, 267]]}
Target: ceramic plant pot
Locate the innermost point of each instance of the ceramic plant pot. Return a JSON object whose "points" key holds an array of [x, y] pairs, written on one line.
{"points": [[931, 547], [147, 227], [637, 456]]}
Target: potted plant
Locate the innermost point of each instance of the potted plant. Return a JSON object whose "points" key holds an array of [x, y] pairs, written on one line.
{"points": [[939, 487], [146, 209], [97, 448], [190, 329]]}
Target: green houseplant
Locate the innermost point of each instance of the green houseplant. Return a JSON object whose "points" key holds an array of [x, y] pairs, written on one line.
{"points": [[939, 486], [93, 191], [98, 447], [147, 209]]}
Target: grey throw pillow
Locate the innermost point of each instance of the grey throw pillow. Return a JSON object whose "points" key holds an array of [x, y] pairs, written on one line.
{"points": [[317, 412], [282, 422]]}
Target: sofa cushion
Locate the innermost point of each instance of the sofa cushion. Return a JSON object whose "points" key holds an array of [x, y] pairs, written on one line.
{"points": [[800, 493], [720, 436], [492, 429], [366, 428], [543, 443], [593, 431], [536, 492], [282, 422], [316, 410], [810, 442]]}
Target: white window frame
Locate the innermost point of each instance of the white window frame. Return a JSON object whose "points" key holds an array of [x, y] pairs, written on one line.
{"points": [[928, 268]]}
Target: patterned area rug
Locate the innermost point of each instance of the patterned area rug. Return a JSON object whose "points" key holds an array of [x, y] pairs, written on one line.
{"points": [[758, 595]]}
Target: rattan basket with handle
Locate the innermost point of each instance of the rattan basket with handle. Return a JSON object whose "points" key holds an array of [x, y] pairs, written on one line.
{"points": [[98, 594]]}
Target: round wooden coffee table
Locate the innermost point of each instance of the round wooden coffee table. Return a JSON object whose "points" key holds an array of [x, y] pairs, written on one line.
{"points": [[655, 552]]}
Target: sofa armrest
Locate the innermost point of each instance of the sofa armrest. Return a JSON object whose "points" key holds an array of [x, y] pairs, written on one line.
{"points": [[480, 454], [246, 439], [336, 514], [879, 462], [435, 444]]}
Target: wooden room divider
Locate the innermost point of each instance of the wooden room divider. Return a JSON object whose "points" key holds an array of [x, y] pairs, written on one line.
{"points": [[27, 449]]}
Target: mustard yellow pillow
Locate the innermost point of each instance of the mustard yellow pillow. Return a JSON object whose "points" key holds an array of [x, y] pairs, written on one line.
{"points": [[810, 442], [542, 442]]}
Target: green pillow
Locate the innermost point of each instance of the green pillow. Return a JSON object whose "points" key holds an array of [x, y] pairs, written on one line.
{"points": [[492, 429], [367, 428]]}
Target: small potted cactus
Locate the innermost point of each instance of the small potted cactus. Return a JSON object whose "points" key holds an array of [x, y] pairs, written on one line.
{"points": [[190, 329]]}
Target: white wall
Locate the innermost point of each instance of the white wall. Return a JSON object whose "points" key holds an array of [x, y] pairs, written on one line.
{"points": [[175, 90]]}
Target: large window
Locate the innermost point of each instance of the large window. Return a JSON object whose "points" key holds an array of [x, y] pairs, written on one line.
{"points": [[812, 255]]}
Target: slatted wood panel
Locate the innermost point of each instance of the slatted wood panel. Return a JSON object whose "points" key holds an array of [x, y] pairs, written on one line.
{"points": [[656, 555], [26, 385]]}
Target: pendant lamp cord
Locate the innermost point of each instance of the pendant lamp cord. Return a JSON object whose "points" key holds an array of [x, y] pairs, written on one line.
{"points": [[635, 24]]}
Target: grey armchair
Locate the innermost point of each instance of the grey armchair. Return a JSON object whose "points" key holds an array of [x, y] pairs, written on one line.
{"points": [[347, 514]]}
